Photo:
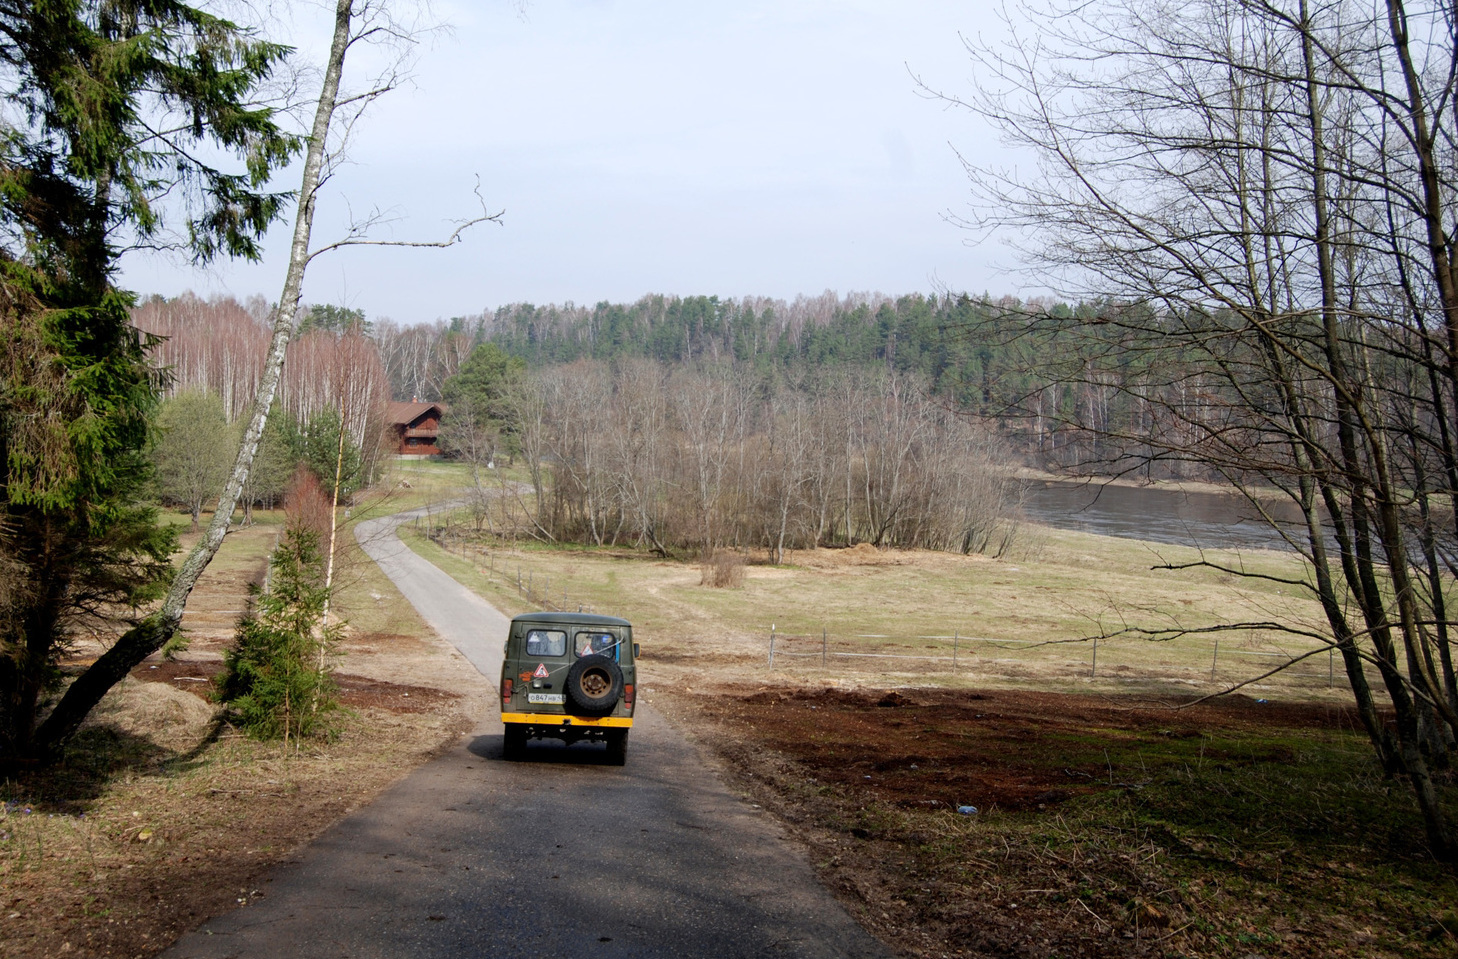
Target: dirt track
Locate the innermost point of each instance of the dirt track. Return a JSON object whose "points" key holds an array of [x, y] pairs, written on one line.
{"points": [[557, 855]]}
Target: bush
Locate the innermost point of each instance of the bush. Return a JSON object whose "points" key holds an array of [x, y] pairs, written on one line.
{"points": [[724, 569]]}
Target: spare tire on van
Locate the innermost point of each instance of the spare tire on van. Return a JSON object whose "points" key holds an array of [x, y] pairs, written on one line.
{"points": [[593, 685]]}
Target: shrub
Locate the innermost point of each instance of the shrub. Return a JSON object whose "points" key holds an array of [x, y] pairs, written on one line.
{"points": [[723, 569]]}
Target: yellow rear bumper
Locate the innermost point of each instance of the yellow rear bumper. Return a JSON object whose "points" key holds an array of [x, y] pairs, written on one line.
{"points": [[557, 719]]}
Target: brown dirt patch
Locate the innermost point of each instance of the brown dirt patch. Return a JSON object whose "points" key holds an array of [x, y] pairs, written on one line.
{"points": [[1079, 846], [1006, 749], [355, 692]]}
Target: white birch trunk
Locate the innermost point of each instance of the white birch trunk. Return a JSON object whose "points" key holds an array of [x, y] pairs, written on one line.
{"points": [[159, 629]]}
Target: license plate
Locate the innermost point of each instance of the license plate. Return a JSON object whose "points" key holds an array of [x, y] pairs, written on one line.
{"points": [[546, 699]]}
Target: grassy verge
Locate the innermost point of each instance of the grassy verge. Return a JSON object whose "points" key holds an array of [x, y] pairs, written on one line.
{"points": [[132, 841], [158, 818], [414, 484], [1227, 831]]}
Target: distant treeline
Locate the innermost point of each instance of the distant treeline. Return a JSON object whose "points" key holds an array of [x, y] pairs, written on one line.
{"points": [[217, 346], [932, 336], [979, 356]]}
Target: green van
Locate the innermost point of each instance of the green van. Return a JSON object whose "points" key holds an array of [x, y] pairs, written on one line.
{"points": [[568, 676]]}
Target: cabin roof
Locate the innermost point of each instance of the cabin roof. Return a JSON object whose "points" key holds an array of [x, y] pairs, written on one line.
{"points": [[403, 414]]}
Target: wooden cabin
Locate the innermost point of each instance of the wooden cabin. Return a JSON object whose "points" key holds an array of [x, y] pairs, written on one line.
{"points": [[416, 426]]}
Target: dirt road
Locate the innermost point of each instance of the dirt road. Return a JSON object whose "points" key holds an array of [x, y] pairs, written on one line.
{"points": [[560, 855]]}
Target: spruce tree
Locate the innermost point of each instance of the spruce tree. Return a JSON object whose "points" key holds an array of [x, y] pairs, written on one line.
{"points": [[115, 103]]}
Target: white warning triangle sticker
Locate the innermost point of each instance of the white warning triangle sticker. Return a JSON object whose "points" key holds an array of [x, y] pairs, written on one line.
{"points": [[541, 672]]}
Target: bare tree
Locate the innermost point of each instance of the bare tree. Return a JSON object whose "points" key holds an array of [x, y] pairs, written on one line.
{"points": [[710, 412], [1254, 189], [787, 466], [578, 399], [639, 451]]}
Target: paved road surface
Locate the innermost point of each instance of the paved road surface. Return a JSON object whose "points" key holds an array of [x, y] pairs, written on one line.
{"points": [[561, 855]]}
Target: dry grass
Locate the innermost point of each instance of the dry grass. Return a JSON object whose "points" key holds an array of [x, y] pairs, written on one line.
{"points": [[137, 837], [1024, 619], [158, 817]]}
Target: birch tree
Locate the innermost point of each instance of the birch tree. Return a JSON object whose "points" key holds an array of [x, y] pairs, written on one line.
{"points": [[356, 22]]}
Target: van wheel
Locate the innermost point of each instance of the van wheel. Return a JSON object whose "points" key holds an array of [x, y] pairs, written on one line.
{"points": [[513, 743], [617, 746], [594, 685]]}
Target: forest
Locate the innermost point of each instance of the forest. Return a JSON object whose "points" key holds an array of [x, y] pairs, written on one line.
{"points": [[958, 346], [847, 431]]}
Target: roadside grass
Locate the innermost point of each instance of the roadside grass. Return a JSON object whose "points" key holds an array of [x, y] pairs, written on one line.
{"points": [[127, 843], [1028, 618], [366, 599], [409, 485], [471, 569], [1263, 856], [1230, 833], [415, 484], [157, 816]]}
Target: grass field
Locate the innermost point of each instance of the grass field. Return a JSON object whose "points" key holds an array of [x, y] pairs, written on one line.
{"points": [[1251, 826], [902, 615]]}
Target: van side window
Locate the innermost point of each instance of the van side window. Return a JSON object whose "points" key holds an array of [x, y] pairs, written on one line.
{"points": [[546, 642]]}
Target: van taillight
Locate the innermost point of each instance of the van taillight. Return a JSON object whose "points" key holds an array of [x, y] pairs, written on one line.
{"points": [[506, 694]]}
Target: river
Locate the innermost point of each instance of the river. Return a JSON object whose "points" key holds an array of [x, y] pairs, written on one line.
{"points": [[1213, 520]]}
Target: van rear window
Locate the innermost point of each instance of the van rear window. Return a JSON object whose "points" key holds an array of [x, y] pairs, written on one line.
{"points": [[595, 642], [546, 642]]}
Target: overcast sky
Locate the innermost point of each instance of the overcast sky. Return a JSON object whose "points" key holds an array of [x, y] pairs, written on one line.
{"points": [[765, 147]]}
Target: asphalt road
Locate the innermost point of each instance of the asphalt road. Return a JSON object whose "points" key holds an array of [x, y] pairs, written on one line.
{"points": [[561, 855]]}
